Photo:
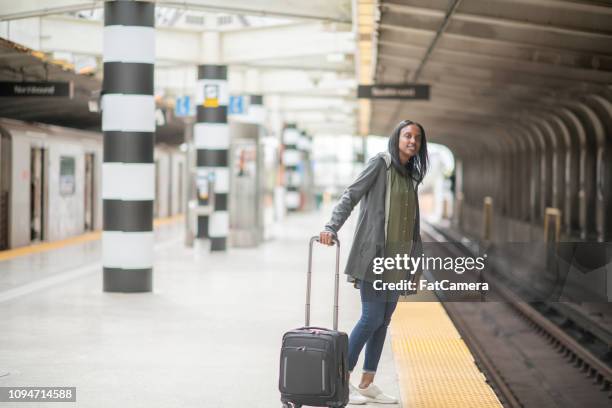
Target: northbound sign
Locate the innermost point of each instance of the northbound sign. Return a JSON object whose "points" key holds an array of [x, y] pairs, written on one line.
{"points": [[38, 88], [393, 91]]}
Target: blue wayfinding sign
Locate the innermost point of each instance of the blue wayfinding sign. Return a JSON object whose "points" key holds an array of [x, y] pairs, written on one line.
{"points": [[183, 106], [236, 105]]}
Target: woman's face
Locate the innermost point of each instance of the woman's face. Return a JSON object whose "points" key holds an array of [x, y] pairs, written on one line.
{"points": [[409, 141]]}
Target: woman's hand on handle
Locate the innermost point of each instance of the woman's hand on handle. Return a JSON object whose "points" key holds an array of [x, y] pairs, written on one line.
{"points": [[326, 238]]}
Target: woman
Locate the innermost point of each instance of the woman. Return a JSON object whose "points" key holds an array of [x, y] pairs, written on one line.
{"points": [[388, 225]]}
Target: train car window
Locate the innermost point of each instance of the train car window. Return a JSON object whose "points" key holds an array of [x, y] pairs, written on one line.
{"points": [[67, 176]]}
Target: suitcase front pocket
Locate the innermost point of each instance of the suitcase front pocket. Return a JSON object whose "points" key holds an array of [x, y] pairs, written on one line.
{"points": [[305, 371]]}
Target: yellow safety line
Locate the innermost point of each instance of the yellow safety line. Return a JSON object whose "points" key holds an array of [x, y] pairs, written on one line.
{"points": [[79, 239], [435, 367]]}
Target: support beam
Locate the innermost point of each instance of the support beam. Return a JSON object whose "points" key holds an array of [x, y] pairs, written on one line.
{"points": [[326, 10], [80, 36], [128, 124], [499, 64], [522, 35], [292, 44], [283, 42], [544, 14], [493, 48], [13, 10], [416, 74]]}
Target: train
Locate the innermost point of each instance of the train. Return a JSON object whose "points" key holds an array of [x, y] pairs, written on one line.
{"points": [[50, 182]]}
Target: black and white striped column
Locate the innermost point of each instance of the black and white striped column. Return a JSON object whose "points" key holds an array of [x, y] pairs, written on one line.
{"points": [[128, 124], [291, 161], [211, 138]]}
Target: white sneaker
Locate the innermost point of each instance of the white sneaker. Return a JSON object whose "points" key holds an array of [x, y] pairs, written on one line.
{"points": [[355, 397], [374, 394]]}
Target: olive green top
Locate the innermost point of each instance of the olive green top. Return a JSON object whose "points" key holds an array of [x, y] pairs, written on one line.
{"points": [[400, 228]]}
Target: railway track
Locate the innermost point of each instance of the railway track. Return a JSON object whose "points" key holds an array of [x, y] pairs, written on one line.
{"points": [[517, 346]]}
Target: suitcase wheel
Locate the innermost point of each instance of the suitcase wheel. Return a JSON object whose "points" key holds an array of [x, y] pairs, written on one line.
{"points": [[291, 405]]}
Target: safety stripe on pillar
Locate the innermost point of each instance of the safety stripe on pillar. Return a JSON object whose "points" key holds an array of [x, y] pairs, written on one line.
{"points": [[128, 147], [128, 44], [212, 158], [128, 216], [127, 250], [221, 177], [128, 124], [211, 115], [127, 280], [128, 181], [131, 113], [130, 14], [211, 136], [212, 140], [128, 78], [256, 110]]}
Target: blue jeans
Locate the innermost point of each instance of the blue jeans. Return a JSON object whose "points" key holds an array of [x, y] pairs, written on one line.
{"points": [[376, 310]]}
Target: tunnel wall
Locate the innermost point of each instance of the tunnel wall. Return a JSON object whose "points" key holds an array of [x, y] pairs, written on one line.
{"points": [[555, 153]]}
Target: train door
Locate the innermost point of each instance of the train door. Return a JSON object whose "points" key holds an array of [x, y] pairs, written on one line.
{"points": [[5, 180], [89, 189], [38, 188]]}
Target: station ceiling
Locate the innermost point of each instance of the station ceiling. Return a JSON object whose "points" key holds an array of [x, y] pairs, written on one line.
{"points": [[487, 61], [325, 10], [286, 50]]}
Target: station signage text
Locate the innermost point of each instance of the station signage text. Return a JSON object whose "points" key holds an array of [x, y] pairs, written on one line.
{"points": [[36, 88], [394, 91]]}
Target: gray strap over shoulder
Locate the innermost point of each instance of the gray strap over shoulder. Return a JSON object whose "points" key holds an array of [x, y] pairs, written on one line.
{"points": [[387, 158]]}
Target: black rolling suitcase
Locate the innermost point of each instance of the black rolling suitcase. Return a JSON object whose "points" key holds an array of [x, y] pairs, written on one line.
{"points": [[313, 361]]}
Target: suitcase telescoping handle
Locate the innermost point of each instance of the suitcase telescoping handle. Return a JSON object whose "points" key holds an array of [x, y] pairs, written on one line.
{"points": [[336, 280]]}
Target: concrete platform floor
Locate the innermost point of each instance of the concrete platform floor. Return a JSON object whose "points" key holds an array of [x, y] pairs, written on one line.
{"points": [[207, 336]]}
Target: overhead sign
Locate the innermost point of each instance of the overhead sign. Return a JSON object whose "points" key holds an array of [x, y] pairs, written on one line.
{"points": [[37, 88], [393, 91], [236, 105], [183, 106]]}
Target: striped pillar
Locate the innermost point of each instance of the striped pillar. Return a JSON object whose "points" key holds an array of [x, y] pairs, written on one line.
{"points": [[128, 124], [291, 161], [211, 138]]}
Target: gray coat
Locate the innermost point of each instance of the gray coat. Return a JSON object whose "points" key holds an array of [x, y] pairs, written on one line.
{"points": [[370, 188]]}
